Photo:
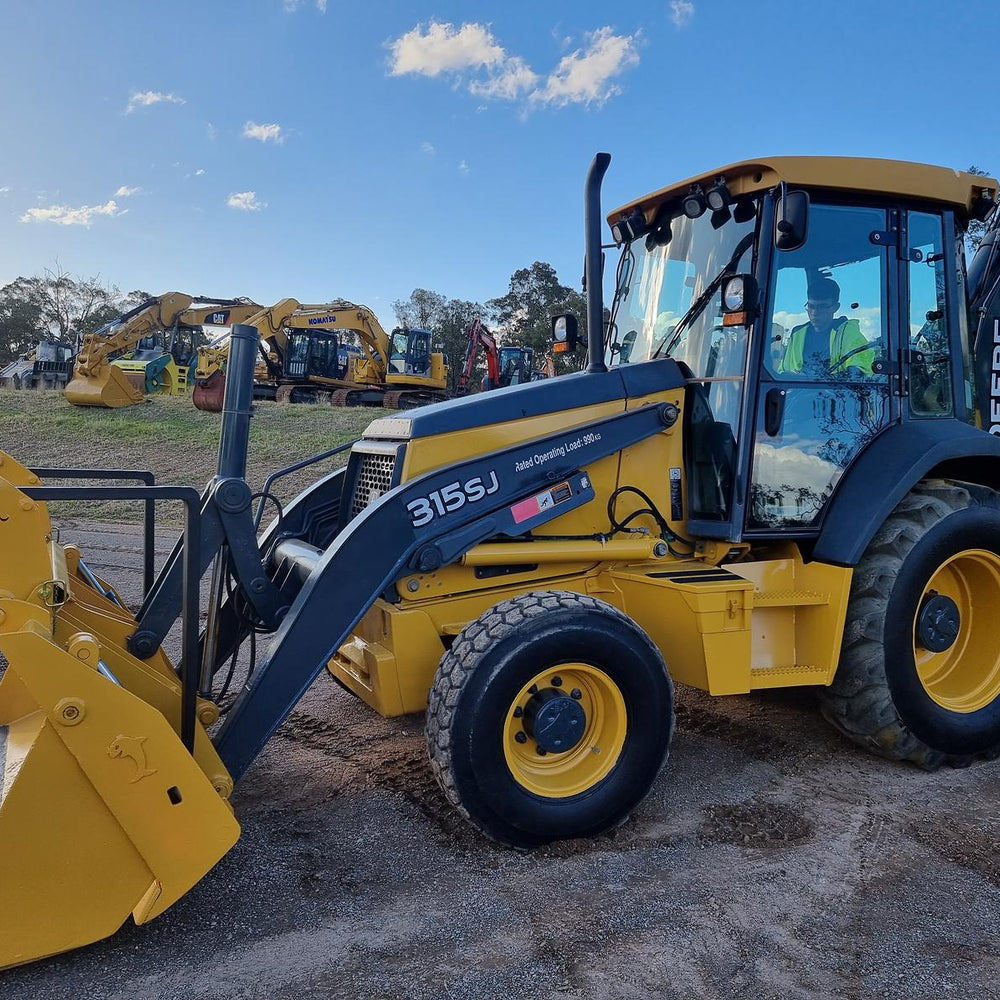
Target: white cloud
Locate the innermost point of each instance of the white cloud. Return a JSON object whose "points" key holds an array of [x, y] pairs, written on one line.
{"points": [[146, 98], [211, 131], [513, 79], [62, 215], [681, 12], [246, 201], [127, 192], [291, 6], [199, 172], [427, 148], [463, 167], [271, 132], [471, 55], [584, 76], [4, 190], [442, 48]]}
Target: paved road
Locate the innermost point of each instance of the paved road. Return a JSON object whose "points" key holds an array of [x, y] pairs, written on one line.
{"points": [[772, 860]]}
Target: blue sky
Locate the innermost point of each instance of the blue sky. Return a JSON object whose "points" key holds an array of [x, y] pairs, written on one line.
{"points": [[320, 149]]}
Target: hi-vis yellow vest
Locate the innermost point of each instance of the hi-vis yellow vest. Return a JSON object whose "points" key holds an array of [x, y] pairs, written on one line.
{"points": [[845, 337]]}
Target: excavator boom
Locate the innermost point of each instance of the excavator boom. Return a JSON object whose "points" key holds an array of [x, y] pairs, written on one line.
{"points": [[98, 382]]}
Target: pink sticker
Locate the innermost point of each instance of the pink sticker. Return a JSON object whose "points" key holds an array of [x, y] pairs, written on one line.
{"points": [[525, 509]]}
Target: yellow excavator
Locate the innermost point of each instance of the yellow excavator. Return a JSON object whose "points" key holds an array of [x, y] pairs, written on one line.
{"points": [[124, 362], [210, 370], [337, 353], [780, 468]]}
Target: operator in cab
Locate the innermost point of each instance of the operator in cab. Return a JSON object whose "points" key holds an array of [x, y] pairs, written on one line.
{"points": [[827, 345]]}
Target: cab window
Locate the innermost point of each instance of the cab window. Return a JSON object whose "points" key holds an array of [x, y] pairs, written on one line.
{"points": [[930, 358]]}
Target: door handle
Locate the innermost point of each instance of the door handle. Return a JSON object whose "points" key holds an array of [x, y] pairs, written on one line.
{"points": [[774, 411]]}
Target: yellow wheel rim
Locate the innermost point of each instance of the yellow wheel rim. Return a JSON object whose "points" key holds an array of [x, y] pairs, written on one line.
{"points": [[965, 677], [558, 775]]}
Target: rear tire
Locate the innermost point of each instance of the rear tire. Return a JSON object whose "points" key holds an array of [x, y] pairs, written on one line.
{"points": [[919, 673], [549, 717]]}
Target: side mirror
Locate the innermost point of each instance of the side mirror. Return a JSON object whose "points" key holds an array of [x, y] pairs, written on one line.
{"points": [[791, 219], [564, 334]]}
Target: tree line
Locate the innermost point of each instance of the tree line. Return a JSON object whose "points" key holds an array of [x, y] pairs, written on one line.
{"points": [[520, 318], [57, 306], [61, 307]]}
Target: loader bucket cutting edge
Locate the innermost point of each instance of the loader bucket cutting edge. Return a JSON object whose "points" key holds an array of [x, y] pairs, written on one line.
{"points": [[112, 388], [102, 811], [210, 393]]}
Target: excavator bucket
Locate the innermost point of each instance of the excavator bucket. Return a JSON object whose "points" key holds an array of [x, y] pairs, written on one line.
{"points": [[111, 388], [209, 394]]}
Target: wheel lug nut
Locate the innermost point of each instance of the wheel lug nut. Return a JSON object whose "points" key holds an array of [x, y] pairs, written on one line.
{"points": [[521, 737], [533, 689], [518, 712], [541, 752], [576, 693], [557, 682]]}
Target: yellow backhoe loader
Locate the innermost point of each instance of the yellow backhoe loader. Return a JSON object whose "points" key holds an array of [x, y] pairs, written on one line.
{"points": [[337, 353], [125, 361], [780, 468]]}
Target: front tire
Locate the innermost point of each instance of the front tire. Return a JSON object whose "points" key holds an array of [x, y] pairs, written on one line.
{"points": [[549, 717], [919, 675]]}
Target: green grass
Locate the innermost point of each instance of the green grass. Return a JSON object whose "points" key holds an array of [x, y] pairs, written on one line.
{"points": [[169, 437]]}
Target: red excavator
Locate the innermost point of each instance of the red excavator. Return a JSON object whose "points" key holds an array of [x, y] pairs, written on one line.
{"points": [[504, 365]]}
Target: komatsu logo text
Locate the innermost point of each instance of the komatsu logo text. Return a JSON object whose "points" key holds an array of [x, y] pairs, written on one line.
{"points": [[315, 321]]}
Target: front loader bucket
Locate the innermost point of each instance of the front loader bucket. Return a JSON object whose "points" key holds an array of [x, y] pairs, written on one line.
{"points": [[103, 812], [111, 388], [209, 394]]}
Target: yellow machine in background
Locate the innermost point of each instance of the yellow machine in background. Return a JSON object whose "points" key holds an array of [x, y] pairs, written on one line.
{"points": [[771, 474], [334, 352], [210, 371], [117, 367]]}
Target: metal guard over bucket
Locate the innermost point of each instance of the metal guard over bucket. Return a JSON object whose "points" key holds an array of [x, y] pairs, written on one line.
{"points": [[103, 812]]}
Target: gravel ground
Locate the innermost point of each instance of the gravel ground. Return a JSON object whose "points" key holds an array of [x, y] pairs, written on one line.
{"points": [[772, 860]]}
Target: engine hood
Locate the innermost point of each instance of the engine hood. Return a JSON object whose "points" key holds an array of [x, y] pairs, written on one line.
{"points": [[530, 400]]}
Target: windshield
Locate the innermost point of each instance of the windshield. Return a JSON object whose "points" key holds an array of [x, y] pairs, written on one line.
{"points": [[668, 299]]}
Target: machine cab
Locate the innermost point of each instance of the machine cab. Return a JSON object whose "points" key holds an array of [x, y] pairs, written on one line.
{"points": [[516, 365], [314, 354], [410, 352], [808, 318]]}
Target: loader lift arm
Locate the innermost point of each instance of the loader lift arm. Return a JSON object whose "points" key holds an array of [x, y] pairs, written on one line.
{"points": [[379, 545]]}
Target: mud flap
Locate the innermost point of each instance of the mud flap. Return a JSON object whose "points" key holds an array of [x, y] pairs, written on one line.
{"points": [[111, 388], [209, 393], [102, 811]]}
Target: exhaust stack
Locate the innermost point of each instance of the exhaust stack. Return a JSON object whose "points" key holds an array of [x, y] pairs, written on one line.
{"points": [[593, 269]]}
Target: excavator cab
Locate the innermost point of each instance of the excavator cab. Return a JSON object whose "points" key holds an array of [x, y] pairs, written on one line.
{"points": [[314, 355], [410, 352], [516, 365]]}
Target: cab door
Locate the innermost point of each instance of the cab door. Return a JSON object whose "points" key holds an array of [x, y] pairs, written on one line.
{"points": [[829, 372]]}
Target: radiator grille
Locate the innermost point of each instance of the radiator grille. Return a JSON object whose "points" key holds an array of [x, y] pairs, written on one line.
{"points": [[374, 479]]}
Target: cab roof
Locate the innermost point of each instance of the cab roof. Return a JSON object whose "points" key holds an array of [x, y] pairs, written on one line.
{"points": [[911, 181]]}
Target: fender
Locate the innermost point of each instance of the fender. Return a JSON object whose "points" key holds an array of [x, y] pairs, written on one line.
{"points": [[889, 468]]}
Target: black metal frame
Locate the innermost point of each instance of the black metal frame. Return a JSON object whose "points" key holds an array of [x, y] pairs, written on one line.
{"points": [[190, 605], [149, 516]]}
